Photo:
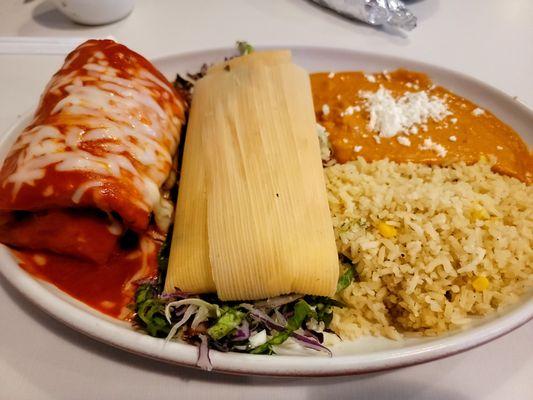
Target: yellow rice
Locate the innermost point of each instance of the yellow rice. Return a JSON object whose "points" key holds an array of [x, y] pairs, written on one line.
{"points": [[452, 225]]}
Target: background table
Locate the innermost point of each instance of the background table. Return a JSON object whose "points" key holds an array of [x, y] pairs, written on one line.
{"points": [[42, 359]]}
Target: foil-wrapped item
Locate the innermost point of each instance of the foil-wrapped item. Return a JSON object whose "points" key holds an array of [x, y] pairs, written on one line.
{"points": [[374, 12]]}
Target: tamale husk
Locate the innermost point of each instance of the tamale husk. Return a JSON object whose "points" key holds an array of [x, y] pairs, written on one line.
{"points": [[266, 228], [274, 57], [269, 225], [188, 267]]}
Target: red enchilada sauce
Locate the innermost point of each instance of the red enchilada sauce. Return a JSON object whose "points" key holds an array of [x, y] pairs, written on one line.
{"points": [[109, 287]]}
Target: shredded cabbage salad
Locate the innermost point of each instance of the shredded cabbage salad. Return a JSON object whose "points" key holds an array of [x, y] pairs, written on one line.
{"points": [[286, 324]]}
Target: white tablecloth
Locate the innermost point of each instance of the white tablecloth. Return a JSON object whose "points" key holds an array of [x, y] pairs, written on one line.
{"points": [[42, 359]]}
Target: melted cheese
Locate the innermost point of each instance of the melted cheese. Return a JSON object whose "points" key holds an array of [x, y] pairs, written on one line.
{"points": [[104, 125], [80, 191]]}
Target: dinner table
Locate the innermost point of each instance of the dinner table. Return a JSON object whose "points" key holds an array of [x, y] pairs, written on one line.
{"points": [[41, 358]]}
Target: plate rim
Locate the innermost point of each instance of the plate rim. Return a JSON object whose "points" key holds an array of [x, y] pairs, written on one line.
{"points": [[362, 53], [246, 364], [125, 338]]}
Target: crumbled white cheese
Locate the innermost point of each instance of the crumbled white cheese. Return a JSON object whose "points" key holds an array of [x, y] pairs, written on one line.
{"points": [[350, 110], [370, 78], [413, 130], [325, 147], [499, 147], [425, 128], [331, 75], [404, 141], [409, 84], [432, 146], [357, 149], [453, 120], [390, 116], [386, 75], [453, 138], [478, 111], [344, 140], [316, 326], [377, 139], [325, 109]]}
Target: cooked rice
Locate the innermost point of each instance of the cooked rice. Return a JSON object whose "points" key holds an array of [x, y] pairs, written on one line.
{"points": [[453, 224]]}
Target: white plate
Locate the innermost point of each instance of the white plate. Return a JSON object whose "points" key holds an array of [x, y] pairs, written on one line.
{"points": [[364, 355]]}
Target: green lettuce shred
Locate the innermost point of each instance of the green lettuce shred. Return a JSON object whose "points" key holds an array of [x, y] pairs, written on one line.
{"points": [[347, 277], [302, 310], [230, 320], [244, 48], [150, 311]]}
